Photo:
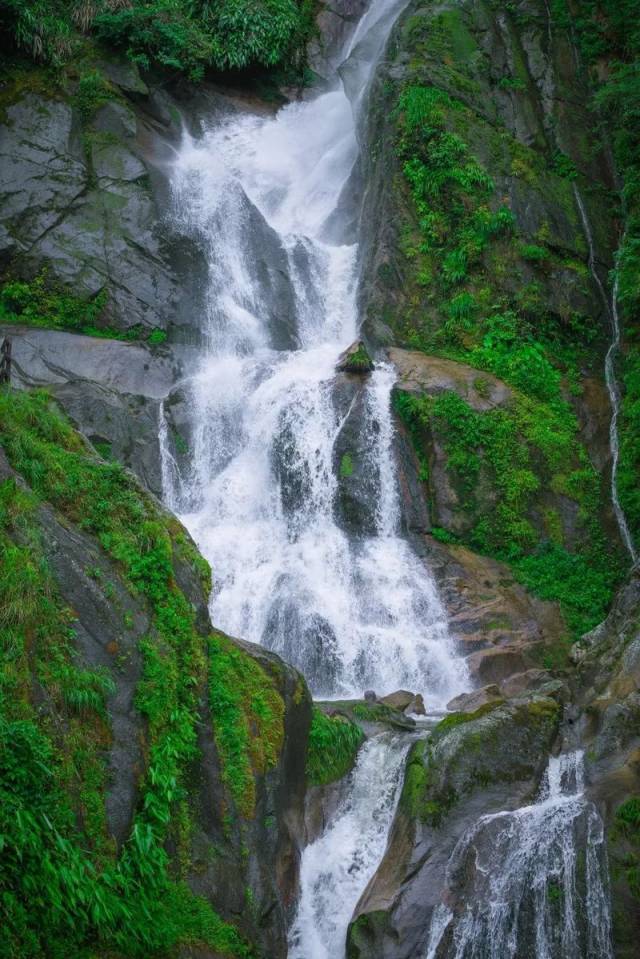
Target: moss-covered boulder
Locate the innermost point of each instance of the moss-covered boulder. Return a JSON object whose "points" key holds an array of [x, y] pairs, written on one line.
{"points": [[153, 770]]}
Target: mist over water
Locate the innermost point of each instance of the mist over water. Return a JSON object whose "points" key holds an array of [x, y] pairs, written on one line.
{"points": [[272, 201]]}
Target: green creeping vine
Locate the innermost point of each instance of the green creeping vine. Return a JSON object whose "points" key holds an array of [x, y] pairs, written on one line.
{"points": [[62, 889], [333, 744]]}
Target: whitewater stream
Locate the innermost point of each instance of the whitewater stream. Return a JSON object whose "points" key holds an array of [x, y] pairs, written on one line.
{"points": [[337, 867], [272, 200], [534, 879]]}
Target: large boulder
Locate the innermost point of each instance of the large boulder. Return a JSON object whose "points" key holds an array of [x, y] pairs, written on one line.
{"points": [[230, 845]]}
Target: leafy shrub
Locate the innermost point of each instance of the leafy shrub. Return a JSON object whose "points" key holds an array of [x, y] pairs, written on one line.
{"points": [[333, 744], [189, 36]]}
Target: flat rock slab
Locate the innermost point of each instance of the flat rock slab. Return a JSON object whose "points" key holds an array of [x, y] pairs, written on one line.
{"points": [[421, 373], [48, 357]]}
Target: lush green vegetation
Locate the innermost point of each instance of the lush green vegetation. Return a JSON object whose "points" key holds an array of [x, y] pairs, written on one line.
{"points": [[333, 744], [49, 305], [504, 462], [247, 713], [63, 886], [625, 834], [189, 36], [476, 291]]}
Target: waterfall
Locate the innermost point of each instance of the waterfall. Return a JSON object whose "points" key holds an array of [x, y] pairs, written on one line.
{"points": [[271, 199], [534, 881], [612, 312], [336, 868]]}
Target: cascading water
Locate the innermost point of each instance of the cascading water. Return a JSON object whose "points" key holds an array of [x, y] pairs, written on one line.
{"points": [[534, 880], [612, 312], [336, 868], [271, 198]]}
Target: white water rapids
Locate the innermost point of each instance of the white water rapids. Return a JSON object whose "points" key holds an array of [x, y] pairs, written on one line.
{"points": [[337, 867], [272, 201], [538, 883]]}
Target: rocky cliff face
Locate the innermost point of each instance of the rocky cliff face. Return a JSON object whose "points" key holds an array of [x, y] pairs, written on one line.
{"points": [[166, 743], [477, 288], [482, 199]]}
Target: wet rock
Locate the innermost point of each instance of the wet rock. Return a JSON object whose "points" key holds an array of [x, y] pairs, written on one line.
{"points": [[52, 201], [355, 359], [470, 702], [496, 665], [372, 717], [522, 682], [412, 487], [370, 696], [398, 700], [111, 390], [416, 706], [336, 20], [354, 466]]}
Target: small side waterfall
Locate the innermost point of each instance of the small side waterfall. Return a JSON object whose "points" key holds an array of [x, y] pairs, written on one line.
{"points": [[612, 312], [336, 868], [531, 882]]}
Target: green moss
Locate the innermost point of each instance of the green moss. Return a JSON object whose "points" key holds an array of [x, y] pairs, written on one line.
{"points": [[459, 719], [421, 796], [333, 744], [374, 712], [365, 929], [247, 712], [346, 466]]}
